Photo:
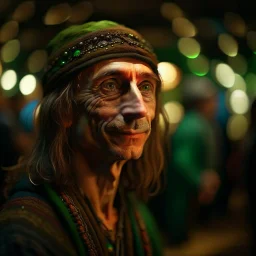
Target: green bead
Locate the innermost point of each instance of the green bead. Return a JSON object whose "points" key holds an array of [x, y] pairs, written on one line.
{"points": [[62, 63], [76, 53], [110, 247]]}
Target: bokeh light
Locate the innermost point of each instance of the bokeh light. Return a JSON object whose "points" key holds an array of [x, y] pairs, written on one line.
{"points": [[237, 127], [238, 64], [27, 84], [189, 47], [225, 75], [199, 66], [8, 31], [58, 14], [170, 75], [1, 68], [8, 79], [161, 122], [174, 111], [36, 94], [250, 80], [235, 24], [182, 27], [10, 50], [228, 44], [171, 11], [239, 83], [239, 102], [24, 11], [37, 61], [81, 12]]}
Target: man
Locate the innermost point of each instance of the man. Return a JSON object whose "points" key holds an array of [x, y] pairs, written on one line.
{"points": [[98, 151], [193, 164]]}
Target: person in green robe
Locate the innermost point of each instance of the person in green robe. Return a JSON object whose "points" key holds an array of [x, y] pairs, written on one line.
{"points": [[98, 153], [192, 172]]}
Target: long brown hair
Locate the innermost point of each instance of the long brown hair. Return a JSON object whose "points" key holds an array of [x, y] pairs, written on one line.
{"points": [[50, 160]]}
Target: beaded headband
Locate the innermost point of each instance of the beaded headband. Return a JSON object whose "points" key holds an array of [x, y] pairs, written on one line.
{"points": [[114, 42]]}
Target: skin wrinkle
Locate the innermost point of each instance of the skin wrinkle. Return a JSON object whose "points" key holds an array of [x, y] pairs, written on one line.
{"points": [[119, 125], [114, 107], [88, 101]]}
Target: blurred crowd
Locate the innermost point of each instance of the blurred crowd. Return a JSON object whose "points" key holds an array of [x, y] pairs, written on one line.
{"points": [[203, 165], [17, 135]]}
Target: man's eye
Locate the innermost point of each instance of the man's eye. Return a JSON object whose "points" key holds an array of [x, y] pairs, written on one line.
{"points": [[110, 85], [146, 87]]}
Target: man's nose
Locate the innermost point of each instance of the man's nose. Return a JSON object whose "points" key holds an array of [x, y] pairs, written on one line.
{"points": [[133, 105]]}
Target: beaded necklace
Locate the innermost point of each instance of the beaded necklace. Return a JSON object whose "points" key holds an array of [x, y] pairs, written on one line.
{"points": [[80, 223], [114, 239], [114, 248]]}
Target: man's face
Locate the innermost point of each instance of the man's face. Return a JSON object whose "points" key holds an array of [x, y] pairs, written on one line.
{"points": [[118, 100]]}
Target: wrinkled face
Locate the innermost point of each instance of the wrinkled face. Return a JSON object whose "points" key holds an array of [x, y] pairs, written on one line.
{"points": [[119, 103]]}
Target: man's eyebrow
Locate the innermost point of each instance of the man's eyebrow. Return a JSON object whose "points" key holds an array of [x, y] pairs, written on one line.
{"points": [[107, 73], [147, 75]]}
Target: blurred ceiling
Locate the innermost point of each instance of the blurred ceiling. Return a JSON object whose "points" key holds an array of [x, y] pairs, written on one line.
{"points": [[34, 23], [217, 8], [143, 12]]}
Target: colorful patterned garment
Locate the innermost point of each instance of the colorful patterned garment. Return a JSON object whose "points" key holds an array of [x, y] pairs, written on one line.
{"points": [[38, 221]]}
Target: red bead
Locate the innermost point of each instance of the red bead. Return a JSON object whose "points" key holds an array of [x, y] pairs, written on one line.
{"points": [[79, 222]]}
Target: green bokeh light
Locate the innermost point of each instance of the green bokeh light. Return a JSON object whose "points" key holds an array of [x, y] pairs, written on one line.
{"points": [[199, 66], [189, 47]]}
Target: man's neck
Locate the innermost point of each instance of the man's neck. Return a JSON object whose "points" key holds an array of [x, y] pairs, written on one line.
{"points": [[99, 183]]}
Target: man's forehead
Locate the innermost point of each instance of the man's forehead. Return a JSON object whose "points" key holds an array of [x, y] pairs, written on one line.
{"points": [[124, 65], [119, 66]]}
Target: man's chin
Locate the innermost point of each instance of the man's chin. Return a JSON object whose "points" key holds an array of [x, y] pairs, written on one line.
{"points": [[127, 147], [127, 153]]}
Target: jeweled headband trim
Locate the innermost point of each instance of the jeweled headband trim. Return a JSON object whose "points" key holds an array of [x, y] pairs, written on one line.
{"points": [[93, 44], [96, 45]]}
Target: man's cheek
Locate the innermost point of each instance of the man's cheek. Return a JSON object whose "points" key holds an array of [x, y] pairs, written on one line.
{"points": [[150, 116], [152, 111]]}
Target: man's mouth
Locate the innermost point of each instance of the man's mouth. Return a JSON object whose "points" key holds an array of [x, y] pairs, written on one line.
{"points": [[129, 133], [128, 137], [132, 132]]}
